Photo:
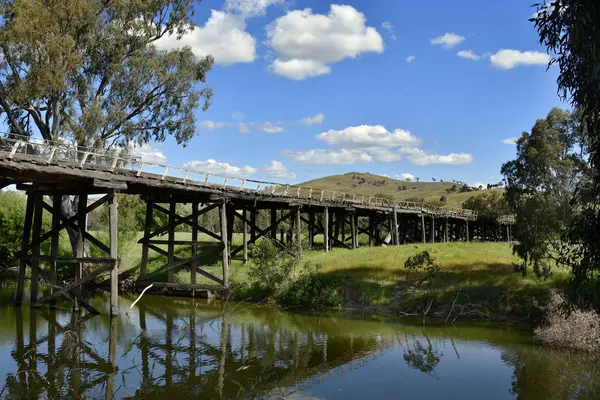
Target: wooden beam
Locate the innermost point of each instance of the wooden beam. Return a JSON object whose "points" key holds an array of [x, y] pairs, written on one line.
{"points": [[432, 229], [423, 234], [171, 236], [147, 229], [37, 230], [114, 272], [353, 225], [209, 276], [274, 223], [396, 232], [224, 241], [263, 232], [194, 241], [66, 289], [25, 239], [326, 228], [113, 185], [54, 239], [244, 237]]}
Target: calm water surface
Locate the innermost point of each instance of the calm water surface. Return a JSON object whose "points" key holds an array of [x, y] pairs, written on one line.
{"points": [[176, 348]]}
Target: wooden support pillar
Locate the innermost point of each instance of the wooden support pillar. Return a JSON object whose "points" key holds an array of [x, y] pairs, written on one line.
{"points": [[311, 227], [273, 223], [330, 231], [245, 237], [336, 225], [354, 228], [371, 230], [147, 229], [423, 235], [171, 238], [81, 245], [343, 226], [35, 249], [395, 232], [467, 229], [326, 228], [194, 265], [25, 240], [253, 225], [298, 231], [114, 272], [230, 221], [432, 229], [446, 230], [224, 241], [54, 241]]}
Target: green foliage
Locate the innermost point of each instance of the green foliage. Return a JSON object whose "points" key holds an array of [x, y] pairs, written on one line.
{"points": [[541, 188], [12, 217], [88, 70], [422, 261], [272, 267], [313, 290], [422, 358], [491, 203]]}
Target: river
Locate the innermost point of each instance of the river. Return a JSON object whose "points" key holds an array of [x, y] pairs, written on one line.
{"points": [[177, 348]]}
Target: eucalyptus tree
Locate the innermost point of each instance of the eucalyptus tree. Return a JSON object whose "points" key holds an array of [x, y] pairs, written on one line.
{"points": [[87, 71]]}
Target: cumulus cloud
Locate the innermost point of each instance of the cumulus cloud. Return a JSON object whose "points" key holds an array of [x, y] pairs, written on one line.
{"points": [[306, 44], [219, 168], [316, 120], [369, 137], [387, 26], [410, 59], [320, 156], [447, 40], [238, 116], [211, 125], [250, 8], [469, 54], [509, 59], [419, 157], [223, 36], [406, 176], [278, 170], [269, 127], [147, 153], [510, 140]]}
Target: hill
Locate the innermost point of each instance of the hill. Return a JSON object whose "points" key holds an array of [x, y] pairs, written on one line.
{"points": [[371, 185]]}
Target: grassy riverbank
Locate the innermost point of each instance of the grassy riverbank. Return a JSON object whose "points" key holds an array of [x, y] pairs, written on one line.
{"points": [[374, 278]]}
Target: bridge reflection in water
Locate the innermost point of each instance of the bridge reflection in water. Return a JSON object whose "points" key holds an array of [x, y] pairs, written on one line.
{"points": [[189, 351], [186, 348]]}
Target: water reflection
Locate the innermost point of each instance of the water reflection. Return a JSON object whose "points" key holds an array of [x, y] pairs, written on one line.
{"points": [[169, 348]]}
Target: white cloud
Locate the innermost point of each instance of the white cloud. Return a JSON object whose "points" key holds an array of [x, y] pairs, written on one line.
{"points": [[316, 120], [147, 153], [305, 44], [220, 168], [509, 59], [369, 137], [510, 140], [223, 36], [299, 69], [478, 184], [410, 59], [385, 155], [470, 54], [269, 127], [387, 26], [243, 128], [448, 40], [250, 8], [212, 125], [319, 156], [278, 170], [406, 176], [420, 157]]}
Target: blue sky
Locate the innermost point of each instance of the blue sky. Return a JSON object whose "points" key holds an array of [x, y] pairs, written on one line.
{"points": [[326, 88]]}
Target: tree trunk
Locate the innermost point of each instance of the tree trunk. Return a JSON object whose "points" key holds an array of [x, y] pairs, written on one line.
{"points": [[68, 207]]}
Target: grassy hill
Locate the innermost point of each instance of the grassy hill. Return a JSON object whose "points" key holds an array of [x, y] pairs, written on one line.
{"points": [[370, 185]]}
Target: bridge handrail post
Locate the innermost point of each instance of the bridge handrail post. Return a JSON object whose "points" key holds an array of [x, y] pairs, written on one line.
{"points": [[164, 173], [139, 172]]}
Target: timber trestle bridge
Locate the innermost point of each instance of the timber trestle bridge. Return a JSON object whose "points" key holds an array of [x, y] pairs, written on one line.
{"points": [[51, 170]]}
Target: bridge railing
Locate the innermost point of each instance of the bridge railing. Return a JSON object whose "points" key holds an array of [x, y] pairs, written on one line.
{"points": [[68, 154]]}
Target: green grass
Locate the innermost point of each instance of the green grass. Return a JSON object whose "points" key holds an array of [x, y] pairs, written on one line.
{"points": [[375, 276], [428, 191]]}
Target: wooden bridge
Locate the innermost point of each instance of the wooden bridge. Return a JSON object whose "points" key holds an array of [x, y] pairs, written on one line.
{"points": [[53, 170]]}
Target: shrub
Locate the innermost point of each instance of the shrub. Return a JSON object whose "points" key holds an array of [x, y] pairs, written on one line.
{"points": [[272, 267], [12, 218], [569, 328], [313, 289]]}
